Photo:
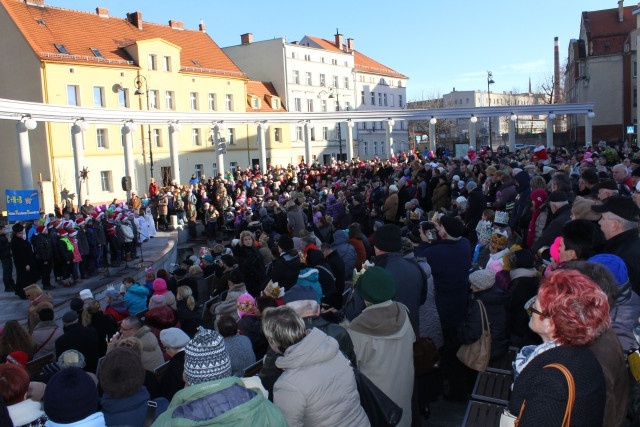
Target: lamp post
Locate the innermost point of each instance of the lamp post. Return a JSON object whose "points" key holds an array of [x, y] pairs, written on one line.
{"points": [[139, 82], [489, 83]]}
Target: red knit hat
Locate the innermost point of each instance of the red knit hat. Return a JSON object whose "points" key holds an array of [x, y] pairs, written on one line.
{"points": [[63, 233], [19, 358], [40, 228]]}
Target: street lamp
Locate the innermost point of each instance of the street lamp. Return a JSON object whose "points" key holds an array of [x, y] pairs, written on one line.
{"points": [[139, 82], [333, 93], [489, 83]]}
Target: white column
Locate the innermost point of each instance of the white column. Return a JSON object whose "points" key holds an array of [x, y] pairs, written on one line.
{"points": [[220, 153], [78, 160], [389, 138], [512, 133], [588, 128], [550, 119], [432, 134], [173, 151], [262, 131], [24, 156], [350, 155], [127, 131], [307, 142], [472, 132]]}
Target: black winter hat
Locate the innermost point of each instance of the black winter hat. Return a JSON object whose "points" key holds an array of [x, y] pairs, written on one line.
{"points": [[388, 238], [70, 396]]}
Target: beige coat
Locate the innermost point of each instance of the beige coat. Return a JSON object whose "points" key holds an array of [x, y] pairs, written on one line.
{"points": [[383, 339]]}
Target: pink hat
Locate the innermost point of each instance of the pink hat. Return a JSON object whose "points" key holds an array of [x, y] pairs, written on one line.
{"points": [[554, 250], [246, 305], [159, 287]]}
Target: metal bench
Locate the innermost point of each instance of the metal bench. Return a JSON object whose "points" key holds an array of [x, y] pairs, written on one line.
{"points": [[504, 365], [254, 368], [160, 370], [493, 387], [34, 368], [482, 414]]}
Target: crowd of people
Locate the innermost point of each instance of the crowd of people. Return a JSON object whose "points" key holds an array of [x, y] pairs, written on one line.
{"points": [[318, 269]]}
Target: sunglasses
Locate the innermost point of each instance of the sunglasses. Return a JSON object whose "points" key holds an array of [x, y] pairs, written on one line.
{"points": [[528, 307]]}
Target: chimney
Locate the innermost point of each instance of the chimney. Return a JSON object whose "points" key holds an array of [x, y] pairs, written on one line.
{"points": [[556, 70], [102, 12], [202, 27], [176, 25], [34, 3], [350, 45], [135, 19], [338, 40], [246, 38], [621, 10]]}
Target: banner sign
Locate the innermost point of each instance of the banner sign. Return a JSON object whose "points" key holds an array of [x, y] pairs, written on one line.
{"points": [[22, 205]]}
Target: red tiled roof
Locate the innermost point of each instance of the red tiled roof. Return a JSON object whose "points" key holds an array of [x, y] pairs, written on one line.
{"points": [[262, 90], [605, 22], [80, 31], [362, 62]]}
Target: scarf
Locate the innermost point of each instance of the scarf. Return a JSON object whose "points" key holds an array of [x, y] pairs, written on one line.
{"points": [[527, 354]]}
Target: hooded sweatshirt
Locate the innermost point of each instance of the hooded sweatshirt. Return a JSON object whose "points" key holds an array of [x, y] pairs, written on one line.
{"points": [[318, 386]]}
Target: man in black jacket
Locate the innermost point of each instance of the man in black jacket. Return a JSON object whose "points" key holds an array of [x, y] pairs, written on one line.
{"points": [[23, 259], [43, 250], [619, 223], [7, 261], [285, 268], [561, 214]]}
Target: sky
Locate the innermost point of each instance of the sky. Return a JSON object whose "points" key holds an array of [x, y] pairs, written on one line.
{"points": [[438, 44]]}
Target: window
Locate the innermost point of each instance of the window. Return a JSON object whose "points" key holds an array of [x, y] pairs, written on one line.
{"points": [[157, 137], [400, 101], [335, 82], [195, 136], [392, 100], [276, 104], [334, 62], [229, 102], [167, 63], [323, 105], [123, 98], [310, 105], [293, 55], [255, 102], [373, 98], [362, 97], [214, 167], [299, 136], [307, 77], [385, 100], [153, 99], [105, 181], [365, 148], [193, 100], [98, 96], [198, 170], [307, 57], [96, 52], [153, 62], [101, 138], [232, 136], [382, 148], [195, 62], [297, 104], [212, 102], [61, 48], [325, 133], [323, 81], [233, 166], [348, 106], [277, 134], [296, 77], [346, 83], [322, 59], [168, 100], [379, 98], [313, 134], [72, 95]]}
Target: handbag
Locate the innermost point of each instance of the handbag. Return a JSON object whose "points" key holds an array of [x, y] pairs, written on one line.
{"points": [[426, 357], [507, 419], [476, 355], [380, 409]]}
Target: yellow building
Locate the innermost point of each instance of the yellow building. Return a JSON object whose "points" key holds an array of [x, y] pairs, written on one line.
{"points": [[64, 57]]}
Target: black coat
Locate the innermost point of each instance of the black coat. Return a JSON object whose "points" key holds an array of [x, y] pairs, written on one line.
{"points": [[627, 246], [5, 247], [495, 301], [172, 381], [23, 257], [82, 339], [553, 229], [285, 269], [522, 288], [545, 389], [189, 320]]}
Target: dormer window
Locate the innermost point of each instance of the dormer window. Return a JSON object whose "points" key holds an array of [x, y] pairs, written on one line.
{"points": [[40, 22], [96, 52], [195, 62], [60, 47]]}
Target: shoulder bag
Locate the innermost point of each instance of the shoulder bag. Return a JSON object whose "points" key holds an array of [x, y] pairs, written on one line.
{"points": [[380, 409], [507, 419], [476, 355]]}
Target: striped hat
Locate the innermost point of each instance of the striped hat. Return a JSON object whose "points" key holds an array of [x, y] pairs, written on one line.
{"points": [[206, 358]]}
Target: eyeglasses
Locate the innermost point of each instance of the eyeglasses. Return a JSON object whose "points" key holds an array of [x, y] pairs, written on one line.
{"points": [[530, 309], [122, 328]]}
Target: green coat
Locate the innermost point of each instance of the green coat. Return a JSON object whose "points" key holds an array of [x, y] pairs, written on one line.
{"points": [[203, 405]]}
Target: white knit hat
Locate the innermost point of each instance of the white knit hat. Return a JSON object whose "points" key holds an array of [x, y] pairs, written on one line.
{"points": [[206, 358]]}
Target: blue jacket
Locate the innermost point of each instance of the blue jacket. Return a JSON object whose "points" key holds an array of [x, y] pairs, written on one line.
{"points": [[136, 298], [130, 410], [346, 251], [450, 261]]}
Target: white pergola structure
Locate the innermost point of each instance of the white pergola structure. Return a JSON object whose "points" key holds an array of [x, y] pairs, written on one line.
{"points": [[27, 114]]}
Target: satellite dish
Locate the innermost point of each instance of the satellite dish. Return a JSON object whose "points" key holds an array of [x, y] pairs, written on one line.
{"points": [[117, 88]]}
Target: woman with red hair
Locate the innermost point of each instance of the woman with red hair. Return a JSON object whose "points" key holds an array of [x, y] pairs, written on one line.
{"points": [[569, 312], [14, 383]]}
